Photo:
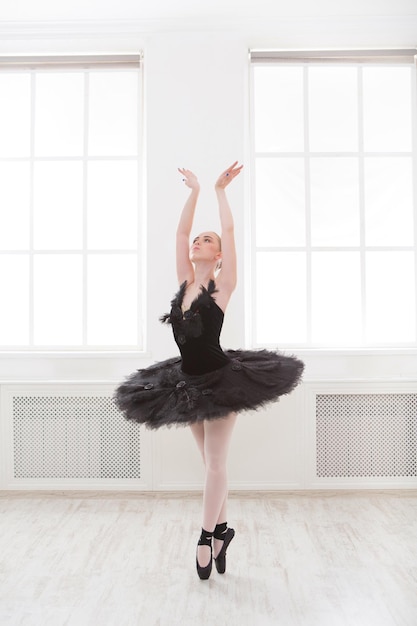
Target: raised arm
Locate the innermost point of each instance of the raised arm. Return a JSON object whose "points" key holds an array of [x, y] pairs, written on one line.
{"points": [[228, 274], [185, 269]]}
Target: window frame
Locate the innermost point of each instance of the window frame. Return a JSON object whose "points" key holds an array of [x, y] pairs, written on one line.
{"points": [[363, 58], [84, 64]]}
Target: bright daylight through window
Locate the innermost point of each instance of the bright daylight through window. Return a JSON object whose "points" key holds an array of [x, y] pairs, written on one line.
{"points": [[334, 202], [69, 203]]}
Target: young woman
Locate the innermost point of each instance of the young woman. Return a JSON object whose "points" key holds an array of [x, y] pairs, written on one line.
{"points": [[206, 387]]}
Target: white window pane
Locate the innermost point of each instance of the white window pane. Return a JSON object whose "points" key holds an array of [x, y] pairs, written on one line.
{"points": [[59, 114], [58, 288], [280, 202], [336, 298], [112, 300], [14, 205], [112, 205], [333, 108], [14, 309], [335, 217], [58, 205], [387, 109], [390, 287], [389, 201], [281, 297], [279, 109], [113, 113], [15, 115]]}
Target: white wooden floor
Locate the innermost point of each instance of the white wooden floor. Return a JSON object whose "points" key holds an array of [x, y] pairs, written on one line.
{"points": [[298, 559]]}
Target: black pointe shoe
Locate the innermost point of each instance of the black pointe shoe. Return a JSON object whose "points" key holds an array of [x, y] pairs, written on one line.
{"points": [[226, 535], [205, 540]]}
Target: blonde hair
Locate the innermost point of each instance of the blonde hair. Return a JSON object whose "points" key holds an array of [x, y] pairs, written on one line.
{"points": [[219, 262], [219, 240]]}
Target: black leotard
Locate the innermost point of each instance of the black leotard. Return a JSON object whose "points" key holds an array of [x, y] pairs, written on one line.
{"points": [[202, 353]]}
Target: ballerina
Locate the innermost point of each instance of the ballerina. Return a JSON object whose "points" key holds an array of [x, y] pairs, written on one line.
{"points": [[207, 386]]}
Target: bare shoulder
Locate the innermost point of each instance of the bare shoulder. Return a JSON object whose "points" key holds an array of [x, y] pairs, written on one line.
{"points": [[224, 290]]}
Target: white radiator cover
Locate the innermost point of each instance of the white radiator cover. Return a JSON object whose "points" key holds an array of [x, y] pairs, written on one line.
{"points": [[366, 435], [73, 437], [361, 434], [70, 436]]}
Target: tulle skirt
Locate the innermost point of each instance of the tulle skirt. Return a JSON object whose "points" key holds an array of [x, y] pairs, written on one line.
{"points": [[163, 395]]}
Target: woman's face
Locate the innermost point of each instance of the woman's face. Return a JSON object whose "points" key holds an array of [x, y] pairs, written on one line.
{"points": [[205, 247]]}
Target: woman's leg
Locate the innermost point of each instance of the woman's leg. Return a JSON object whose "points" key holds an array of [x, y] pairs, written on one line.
{"points": [[213, 439], [197, 430], [218, 543]]}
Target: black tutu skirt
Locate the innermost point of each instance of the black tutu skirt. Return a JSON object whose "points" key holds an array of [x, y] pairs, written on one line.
{"points": [[163, 395]]}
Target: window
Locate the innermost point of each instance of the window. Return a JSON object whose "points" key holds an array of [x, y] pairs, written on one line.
{"points": [[334, 149], [70, 163]]}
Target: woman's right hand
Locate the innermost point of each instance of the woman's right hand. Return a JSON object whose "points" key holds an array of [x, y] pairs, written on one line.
{"points": [[189, 179]]}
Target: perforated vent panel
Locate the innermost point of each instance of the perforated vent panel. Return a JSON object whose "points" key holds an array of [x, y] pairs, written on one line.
{"points": [[366, 435], [73, 437]]}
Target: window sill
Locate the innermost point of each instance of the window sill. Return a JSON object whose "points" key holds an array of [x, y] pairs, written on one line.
{"points": [[353, 352], [76, 354]]}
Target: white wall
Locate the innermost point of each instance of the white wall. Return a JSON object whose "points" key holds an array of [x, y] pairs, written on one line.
{"points": [[196, 92]]}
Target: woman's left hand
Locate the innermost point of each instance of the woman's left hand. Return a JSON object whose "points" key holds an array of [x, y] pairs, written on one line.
{"points": [[228, 175]]}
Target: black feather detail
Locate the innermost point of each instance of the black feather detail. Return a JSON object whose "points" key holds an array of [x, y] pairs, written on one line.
{"points": [[176, 303], [188, 324]]}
